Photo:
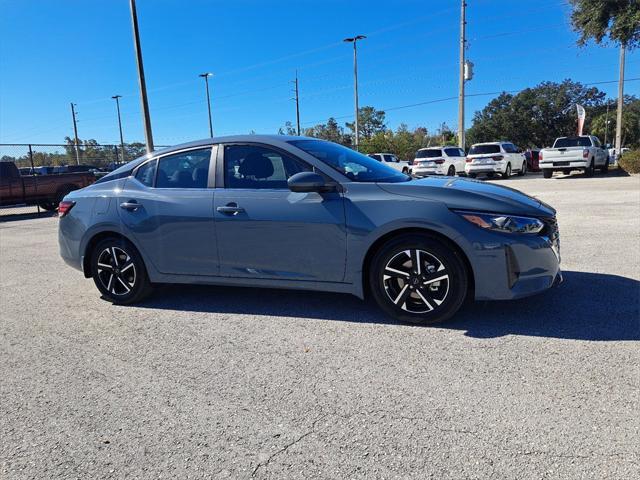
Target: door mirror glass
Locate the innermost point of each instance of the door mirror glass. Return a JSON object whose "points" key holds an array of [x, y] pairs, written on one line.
{"points": [[307, 182]]}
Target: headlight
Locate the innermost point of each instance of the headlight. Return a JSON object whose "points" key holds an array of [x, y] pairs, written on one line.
{"points": [[503, 223]]}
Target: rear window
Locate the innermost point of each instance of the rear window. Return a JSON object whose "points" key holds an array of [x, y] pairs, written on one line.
{"points": [[572, 142], [482, 149], [428, 153]]}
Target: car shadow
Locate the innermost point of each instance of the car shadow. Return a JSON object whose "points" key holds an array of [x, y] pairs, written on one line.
{"points": [[587, 306]]}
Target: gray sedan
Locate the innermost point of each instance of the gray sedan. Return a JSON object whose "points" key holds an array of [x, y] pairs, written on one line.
{"points": [[296, 212]]}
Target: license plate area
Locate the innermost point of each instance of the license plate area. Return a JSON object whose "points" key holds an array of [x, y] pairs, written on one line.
{"points": [[560, 164]]}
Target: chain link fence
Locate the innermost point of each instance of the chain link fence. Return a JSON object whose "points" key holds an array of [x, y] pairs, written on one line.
{"points": [[36, 163]]}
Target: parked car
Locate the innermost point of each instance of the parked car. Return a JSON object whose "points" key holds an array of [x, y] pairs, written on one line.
{"points": [[392, 161], [438, 161], [44, 190], [533, 160], [495, 157], [308, 214], [584, 152]]}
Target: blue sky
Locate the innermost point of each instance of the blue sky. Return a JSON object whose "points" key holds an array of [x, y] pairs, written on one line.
{"points": [[55, 52]]}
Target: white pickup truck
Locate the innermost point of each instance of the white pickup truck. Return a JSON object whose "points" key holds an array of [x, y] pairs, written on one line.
{"points": [[584, 153]]}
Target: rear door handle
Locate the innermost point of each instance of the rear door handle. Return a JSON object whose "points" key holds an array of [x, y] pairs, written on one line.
{"points": [[131, 205], [230, 209]]}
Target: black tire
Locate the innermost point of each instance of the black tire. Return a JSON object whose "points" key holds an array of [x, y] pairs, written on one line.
{"points": [[405, 170], [452, 171], [125, 280], [472, 175], [547, 173], [605, 168], [507, 172], [523, 169], [413, 301], [48, 206], [590, 170]]}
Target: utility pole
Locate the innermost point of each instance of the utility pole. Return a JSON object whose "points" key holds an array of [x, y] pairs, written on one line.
{"points": [[206, 84], [462, 59], [620, 104], [146, 117], [75, 132], [354, 40], [297, 99], [117, 99]]}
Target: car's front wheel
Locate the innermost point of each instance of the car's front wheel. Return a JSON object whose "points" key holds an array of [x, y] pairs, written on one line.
{"points": [[119, 272], [418, 279]]}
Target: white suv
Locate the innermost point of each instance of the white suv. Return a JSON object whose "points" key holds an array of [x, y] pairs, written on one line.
{"points": [[438, 161], [495, 157], [391, 160]]}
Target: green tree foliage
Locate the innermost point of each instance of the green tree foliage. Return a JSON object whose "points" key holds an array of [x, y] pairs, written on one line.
{"points": [[536, 116], [288, 129], [617, 20], [331, 131], [370, 122], [630, 123]]}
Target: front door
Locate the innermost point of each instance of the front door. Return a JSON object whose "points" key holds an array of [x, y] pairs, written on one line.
{"points": [[266, 231], [168, 209]]}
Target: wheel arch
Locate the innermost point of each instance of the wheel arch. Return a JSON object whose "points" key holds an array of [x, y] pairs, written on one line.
{"points": [[380, 241]]}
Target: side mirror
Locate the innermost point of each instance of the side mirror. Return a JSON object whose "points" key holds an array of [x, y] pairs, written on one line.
{"points": [[308, 182]]}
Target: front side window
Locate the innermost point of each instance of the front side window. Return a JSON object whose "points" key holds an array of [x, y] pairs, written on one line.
{"points": [[254, 166], [146, 174], [184, 170], [353, 165]]}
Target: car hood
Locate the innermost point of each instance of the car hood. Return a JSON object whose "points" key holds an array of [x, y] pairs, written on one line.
{"points": [[467, 194]]}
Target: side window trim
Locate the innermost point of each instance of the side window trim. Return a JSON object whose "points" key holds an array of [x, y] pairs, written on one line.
{"points": [[212, 147], [212, 163]]}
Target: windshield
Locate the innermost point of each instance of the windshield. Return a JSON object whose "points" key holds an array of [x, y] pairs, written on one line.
{"points": [[482, 149], [356, 166], [572, 142], [428, 153]]}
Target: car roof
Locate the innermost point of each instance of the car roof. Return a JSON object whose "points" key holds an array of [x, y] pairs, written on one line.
{"points": [[381, 153], [492, 143], [232, 139], [436, 148]]}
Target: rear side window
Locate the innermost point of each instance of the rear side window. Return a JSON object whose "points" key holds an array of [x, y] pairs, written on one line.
{"points": [[146, 174], [184, 170], [429, 153], [453, 152], [390, 158], [483, 149], [257, 167]]}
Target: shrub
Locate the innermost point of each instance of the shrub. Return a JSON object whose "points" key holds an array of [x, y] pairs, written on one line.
{"points": [[630, 161]]}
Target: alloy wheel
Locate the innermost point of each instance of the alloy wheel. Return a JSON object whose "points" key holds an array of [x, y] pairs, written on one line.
{"points": [[116, 271], [416, 281]]}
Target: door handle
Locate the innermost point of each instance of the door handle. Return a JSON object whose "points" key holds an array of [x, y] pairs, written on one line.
{"points": [[131, 205], [230, 209]]}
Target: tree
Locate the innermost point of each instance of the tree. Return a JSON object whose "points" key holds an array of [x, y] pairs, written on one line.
{"points": [[619, 20], [535, 116], [288, 129], [331, 131], [370, 122], [630, 123]]}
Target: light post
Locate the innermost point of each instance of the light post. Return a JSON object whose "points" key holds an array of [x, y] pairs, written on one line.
{"points": [[206, 82], [117, 99], [354, 40]]}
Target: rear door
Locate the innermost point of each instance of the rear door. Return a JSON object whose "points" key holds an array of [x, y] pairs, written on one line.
{"points": [[168, 208], [266, 231]]}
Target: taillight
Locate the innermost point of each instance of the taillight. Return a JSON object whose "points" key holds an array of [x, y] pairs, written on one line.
{"points": [[585, 153], [65, 207], [469, 159], [540, 156], [439, 161], [497, 158]]}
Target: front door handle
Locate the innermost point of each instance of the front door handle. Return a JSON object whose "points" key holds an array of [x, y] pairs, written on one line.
{"points": [[230, 209], [131, 205]]}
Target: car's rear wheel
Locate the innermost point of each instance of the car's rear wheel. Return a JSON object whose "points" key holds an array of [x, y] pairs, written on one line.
{"points": [[590, 170], [605, 168], [507, 172], [119, 272], [546, 173], [48, 206], [418, 279], [523, 169], [452, 171]]}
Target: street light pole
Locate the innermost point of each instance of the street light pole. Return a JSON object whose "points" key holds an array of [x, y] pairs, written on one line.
{"points": [[354, 40], [117, 99], [146, 117], [206, 81], [463, 23]]}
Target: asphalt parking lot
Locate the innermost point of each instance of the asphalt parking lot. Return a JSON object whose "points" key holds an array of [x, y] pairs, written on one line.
{"points": [[210, 382]]}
